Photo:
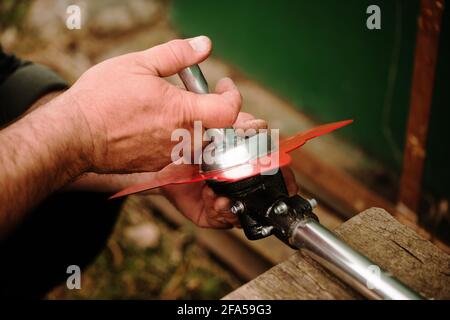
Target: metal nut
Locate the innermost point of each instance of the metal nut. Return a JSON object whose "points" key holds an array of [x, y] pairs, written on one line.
{"points": [[266, 231], [238, 207], [280, 208], [312, 202]]}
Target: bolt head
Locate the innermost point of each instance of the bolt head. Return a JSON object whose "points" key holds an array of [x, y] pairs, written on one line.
{"points": [[312, 202], [266, 231], [280, 208], [237, 207]]}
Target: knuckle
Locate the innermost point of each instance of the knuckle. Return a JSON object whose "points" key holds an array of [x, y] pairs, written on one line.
{"points": [[202, 223], [238, 98], [187, 105], [235, 100], [175, 51], [231, 105]]}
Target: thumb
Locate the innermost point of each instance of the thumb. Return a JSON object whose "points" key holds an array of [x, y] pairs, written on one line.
{"points": [[171, 57]]}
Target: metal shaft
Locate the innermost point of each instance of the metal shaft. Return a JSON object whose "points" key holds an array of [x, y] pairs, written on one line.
{"points": [[194, 81], [349, 265]]}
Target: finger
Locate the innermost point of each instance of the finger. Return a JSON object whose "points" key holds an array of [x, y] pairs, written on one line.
{"points": [[222, 204], [221, 220], [213, 219], [217, 210], [246, 125], [209, 200], [171, 57], [243, 117], [208, 218], [215, 110], [289, 179], [205, 221], [219, 224], [208, 194], [246, 121]]}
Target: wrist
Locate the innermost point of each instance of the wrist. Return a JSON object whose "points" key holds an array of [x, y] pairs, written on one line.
{"points": [[40, 153], [71, 138]]}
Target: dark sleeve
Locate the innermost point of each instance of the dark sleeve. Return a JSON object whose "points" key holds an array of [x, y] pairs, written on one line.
{"points": [[22, 83]]}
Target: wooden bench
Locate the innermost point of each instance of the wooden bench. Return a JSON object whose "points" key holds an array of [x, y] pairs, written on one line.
{"points": [[375, 233]]}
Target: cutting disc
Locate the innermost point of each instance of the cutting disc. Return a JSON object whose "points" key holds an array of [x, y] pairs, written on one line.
{"points": [[188, 173]]}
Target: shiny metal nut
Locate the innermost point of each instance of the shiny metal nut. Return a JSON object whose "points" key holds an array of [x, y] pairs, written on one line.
{"points": [[266, 231], [312, 202], [280, 208], [238, 207]]}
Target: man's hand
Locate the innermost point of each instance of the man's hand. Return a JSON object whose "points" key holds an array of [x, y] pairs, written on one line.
{"points": [[196, 201], [130, 111], [118, 117]]}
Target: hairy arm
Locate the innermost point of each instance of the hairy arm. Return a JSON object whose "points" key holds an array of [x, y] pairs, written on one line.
{"points": [[116, 119], [39, 153]]}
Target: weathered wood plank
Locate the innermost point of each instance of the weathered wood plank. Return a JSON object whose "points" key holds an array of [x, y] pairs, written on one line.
{"points": [[398, 249], [374, 232]]}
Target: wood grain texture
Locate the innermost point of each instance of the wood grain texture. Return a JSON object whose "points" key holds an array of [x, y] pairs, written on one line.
{"points": [[425, 61], [375, 233]]}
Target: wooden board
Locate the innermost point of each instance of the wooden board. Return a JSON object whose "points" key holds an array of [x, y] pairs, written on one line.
{"points": [[375, 233]]}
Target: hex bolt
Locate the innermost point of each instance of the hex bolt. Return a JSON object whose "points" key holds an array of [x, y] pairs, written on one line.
{"points": [[280, 208], [312, 202], [238, 207], [266, 231]]}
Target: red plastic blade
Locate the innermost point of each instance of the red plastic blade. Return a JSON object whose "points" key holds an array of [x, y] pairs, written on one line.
{"points": [[171, 174], [294, 142], [186, 173]]}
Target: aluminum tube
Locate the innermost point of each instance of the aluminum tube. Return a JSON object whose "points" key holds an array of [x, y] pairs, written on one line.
{"points": [[349, 265], [194, 81]]}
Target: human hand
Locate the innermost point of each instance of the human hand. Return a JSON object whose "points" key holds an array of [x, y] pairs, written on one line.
{"points": [[130, 111], [196, 201]]}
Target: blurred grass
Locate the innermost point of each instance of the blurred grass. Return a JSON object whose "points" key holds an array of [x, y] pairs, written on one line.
{"points": [[178, 268], [12, 12]]}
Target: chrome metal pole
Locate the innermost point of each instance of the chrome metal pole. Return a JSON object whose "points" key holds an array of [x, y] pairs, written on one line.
{"points": [[334, 254], [349, 265], [194, 81]]}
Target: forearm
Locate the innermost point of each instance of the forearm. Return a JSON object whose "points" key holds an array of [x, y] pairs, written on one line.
{"points": [[110, 183], [39, 154]]}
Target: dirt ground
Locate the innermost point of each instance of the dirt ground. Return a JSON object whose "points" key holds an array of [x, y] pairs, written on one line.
{"points": [[147, 257]]}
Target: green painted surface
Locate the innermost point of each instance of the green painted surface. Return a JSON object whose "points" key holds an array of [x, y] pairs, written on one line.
{"points": [[321, 57]]}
